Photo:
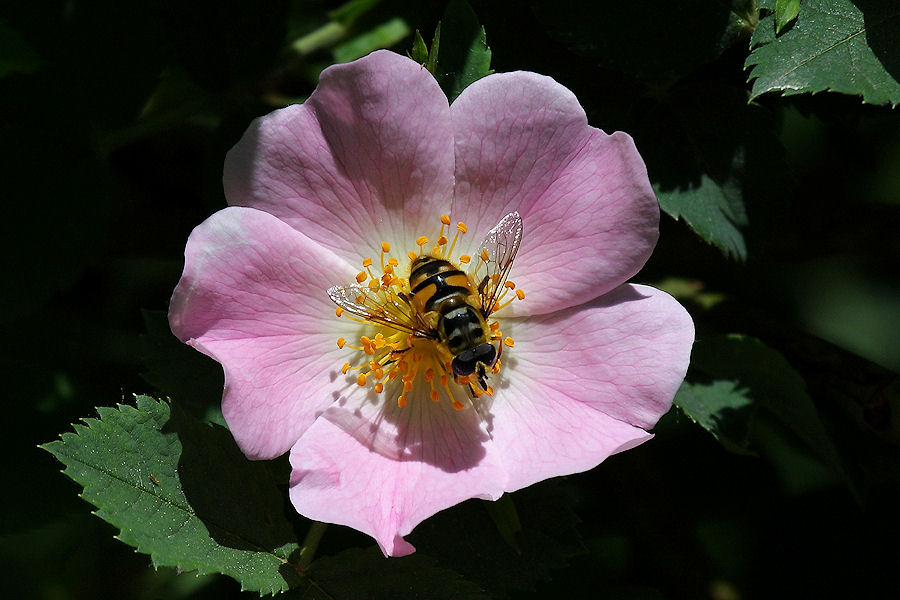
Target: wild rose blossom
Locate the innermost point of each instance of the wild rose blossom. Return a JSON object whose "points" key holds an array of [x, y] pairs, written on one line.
{"points": [[375, 160]]}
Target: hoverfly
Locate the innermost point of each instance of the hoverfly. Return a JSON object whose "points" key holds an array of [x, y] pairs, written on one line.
{"points": [[442, 303]]}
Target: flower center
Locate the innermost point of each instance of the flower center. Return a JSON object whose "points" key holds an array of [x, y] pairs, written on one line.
{"points": [[429, 322]]}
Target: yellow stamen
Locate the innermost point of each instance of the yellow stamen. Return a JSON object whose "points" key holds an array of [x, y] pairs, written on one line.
{"points": [[345, 368], [361, 379], [421, 241], [361, 276], [412, 255], [485, 256], [341, 342], [393, 261], [465, 258], [445, 219], [385, 247], [367, 262], [339, 311], [509, 342], [462, 227]]}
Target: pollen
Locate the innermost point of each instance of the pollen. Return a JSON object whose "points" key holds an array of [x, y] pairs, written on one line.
{"points": [[398, 340]]}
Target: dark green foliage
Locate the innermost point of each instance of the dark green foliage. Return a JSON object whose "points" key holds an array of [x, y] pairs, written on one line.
{"points": [[183, 493], [117, 117], [835, 45]]}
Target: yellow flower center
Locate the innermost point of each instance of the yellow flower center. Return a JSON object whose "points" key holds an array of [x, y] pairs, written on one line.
{"points": [[428, 323]]}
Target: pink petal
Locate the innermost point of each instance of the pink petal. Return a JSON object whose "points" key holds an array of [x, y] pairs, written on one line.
{"points": [[590, 216], [382, 470], [368, 158], [585, 383], [252, 296]]}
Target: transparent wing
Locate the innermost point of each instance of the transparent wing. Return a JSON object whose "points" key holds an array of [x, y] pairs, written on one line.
{"points": [[496, 253], [380, 306]]}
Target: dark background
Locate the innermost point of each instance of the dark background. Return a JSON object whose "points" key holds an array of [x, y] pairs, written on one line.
{"points": [[114, 127]]}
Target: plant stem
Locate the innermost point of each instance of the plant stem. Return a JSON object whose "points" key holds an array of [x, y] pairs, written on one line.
{"points": [[310, 544]]}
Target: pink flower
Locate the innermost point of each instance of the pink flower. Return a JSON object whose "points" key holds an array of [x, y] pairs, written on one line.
{"points": [[377, 155]]}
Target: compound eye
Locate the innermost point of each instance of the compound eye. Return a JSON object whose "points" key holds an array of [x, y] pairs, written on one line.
{"points": [[486, 353], [464, 364]]}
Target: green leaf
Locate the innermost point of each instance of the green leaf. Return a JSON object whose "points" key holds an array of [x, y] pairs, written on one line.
{"points": [[629, 36], [713, 209], [704, 146], [425, 56], [358, 573], [766, 378], [183, 493], [836, 45], [463, 56], [785, 12], [721, 407], [506, 518], [419, 50]]}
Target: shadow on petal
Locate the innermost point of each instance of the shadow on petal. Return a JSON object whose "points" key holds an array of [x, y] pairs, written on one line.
{"points": [[423, 431]]}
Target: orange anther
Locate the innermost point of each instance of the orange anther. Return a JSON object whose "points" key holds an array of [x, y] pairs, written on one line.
{"points": [[401, 401], [361, 379], [509, 342], [339, 310], [385, 247], [379, 387], [345, 368], [520, 294], [442, 241], [341, 342], [445, 219], [485, 256], [510, 285], [412, 255], [421, 241], [361, 276], [462, 227], [367, 262], [434, 396], [465, 258], [457, 405]]}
